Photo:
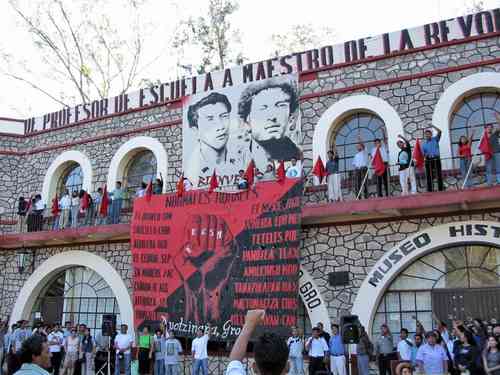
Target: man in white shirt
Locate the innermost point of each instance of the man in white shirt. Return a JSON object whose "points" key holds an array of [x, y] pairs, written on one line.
{"points": [[65, 206], [385, 158], [55, 340], [296, 347], [405, 346], [270, 350], [295, 170], [123, 346], [360, 164], [318, 351], [199, 351]]}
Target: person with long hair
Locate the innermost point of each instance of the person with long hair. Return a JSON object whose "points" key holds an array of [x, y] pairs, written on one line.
{"points": [[465, 155], [364, 350], [491, 356], [71, 350], [146, 342], [466, 356], [87, 352]]}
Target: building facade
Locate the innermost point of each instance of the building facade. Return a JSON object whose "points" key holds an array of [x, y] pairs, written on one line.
{"points": [[392, 259]]}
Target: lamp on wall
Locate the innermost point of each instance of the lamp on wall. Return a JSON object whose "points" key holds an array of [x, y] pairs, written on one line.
{"points": [[24, 260]]}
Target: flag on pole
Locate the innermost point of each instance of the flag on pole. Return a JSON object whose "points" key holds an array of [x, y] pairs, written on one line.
{"points": [[55, 206], [180, 186], [85, 201], [149, 191], [214, 183], [485, 146], [319, 170], [418, 155], [250, 173], [103, 210], [280, 173], [378, 163]]}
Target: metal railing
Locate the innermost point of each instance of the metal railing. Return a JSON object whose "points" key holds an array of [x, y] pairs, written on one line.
{"points": [[354, 185], [455, 175]]}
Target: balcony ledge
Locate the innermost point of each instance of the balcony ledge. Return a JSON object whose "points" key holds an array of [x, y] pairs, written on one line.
{"points": [[452, 202]]}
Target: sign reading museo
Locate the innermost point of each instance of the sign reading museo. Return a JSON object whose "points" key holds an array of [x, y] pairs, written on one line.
{"points": [[353, 51], [225, 129], [209, 257]]}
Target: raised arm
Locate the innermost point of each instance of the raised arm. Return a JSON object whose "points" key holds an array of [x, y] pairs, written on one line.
{"points": [[252, 320], [403, 138]]}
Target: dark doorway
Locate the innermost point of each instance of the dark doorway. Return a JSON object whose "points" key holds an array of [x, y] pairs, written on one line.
{"points": [[461, 304]]}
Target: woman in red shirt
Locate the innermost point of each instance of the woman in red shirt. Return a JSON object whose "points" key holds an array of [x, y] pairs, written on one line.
{"points": [[465, 154]]}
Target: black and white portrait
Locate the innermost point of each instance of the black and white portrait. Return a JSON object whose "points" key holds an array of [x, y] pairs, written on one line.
{"points": [[225, 129]]}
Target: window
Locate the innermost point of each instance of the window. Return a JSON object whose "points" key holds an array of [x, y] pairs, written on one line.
{"points": [[142, 168], [457, 268], [72, 179], [78, 295], [364, 126], [471, 115]]}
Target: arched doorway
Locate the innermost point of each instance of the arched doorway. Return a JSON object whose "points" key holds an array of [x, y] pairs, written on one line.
{"points": [[87, 268], [79, 295], [455, 282], [449, 259]]}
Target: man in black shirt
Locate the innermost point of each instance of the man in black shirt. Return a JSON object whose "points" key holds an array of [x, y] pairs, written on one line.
{"points": [[322, 333], [406, 166]]}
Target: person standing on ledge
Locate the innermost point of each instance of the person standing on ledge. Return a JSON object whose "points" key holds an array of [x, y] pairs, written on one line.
{"points": [[430, 147], [333, 177], [116, 203]]}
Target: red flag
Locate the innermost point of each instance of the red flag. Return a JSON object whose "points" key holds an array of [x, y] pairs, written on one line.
{"points": [[85, 201], [214, 184], [418, 155], [280, 173], [378, 163], [485, 146], [319, 169], [250, 173], [103, 210], [55, 206], [149, 191], [180, 186]]}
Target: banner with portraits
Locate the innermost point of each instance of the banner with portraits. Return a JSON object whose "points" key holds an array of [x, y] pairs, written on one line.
{"points": [[225, 129]]}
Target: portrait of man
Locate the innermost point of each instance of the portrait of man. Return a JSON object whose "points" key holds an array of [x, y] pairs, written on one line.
{"points": [[269, 110], [209, 120]]}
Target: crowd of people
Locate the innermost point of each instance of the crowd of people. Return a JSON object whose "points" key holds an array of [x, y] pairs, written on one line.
{"points": [[425, 156], [468, 348], [73, 209], [72, 350]]}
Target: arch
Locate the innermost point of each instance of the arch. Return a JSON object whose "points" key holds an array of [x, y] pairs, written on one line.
{"points": [[58, 167], [57, 263], [331, 117], [121, 158], [452, 96], [409, 250], [313, 302]]}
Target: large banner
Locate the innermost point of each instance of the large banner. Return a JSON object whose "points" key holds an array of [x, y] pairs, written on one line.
{"points": [[209, 257], [226, 128]]}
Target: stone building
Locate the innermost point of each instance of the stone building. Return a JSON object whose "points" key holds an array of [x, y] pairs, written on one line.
{"points": [[386, 259]]}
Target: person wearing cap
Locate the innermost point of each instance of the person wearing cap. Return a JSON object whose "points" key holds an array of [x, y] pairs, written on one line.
{"points": [[431, 357]]}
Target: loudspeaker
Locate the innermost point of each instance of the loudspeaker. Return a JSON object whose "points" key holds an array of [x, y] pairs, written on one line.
{"points": [[350, 329], [108, 327]]}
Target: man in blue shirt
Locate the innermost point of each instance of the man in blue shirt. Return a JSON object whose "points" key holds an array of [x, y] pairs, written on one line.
{"points": [[337, 354], [430, 148]]}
